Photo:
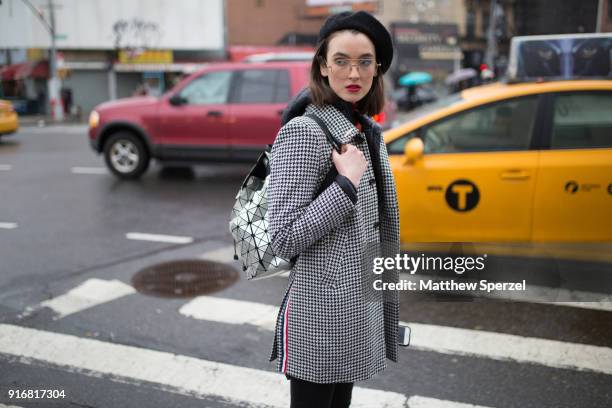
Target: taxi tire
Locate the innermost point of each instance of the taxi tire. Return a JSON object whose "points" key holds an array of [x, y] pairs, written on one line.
{"points": [[143, 155]]}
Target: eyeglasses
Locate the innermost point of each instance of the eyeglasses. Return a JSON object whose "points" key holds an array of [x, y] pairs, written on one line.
{"points": [[342, 66]]}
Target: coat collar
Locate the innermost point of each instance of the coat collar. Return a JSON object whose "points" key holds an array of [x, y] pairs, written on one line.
{"points": [[336, 121], [339, 125]]}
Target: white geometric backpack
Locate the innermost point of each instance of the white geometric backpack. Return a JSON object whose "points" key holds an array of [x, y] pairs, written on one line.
{"points": [[249, 222]]}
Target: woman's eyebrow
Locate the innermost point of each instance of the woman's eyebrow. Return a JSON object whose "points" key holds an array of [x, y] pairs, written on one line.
{"points": [[362, 55]]}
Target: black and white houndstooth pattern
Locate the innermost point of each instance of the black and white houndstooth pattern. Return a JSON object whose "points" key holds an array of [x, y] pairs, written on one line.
{"points": [[334, 335]]}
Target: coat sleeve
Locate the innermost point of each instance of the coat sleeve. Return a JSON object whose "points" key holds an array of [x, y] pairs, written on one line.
{"points": [[296, 221]]}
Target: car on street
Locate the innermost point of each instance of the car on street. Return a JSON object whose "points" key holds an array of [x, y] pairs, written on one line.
{"points": [[224, 112], [519, 162], [9, 120]]}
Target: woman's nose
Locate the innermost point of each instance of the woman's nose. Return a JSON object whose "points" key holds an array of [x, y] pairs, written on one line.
{"points": [[354, 73]]}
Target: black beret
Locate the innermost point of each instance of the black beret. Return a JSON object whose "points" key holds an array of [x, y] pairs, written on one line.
{"points": [[367, 24]]}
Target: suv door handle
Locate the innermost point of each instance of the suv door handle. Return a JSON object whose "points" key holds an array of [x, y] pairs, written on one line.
{"points": [[280, 112], [214, 113], [514, 175]]}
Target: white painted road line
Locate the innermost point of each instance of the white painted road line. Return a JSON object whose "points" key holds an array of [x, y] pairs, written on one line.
{"points": [[5, 167], [8, 225], [536, 294], [499, 346], [223, 254], [438, 339], [231, 311], [90, 293], [174, 373], [416, 401], [172, 239], [89, 170]]}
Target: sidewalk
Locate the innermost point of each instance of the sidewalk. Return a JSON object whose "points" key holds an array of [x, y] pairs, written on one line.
{"points": [[44, 120]]}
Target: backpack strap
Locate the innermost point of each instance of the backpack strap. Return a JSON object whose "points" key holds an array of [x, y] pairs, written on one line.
{"points": [[333, 172], [330, 138]]}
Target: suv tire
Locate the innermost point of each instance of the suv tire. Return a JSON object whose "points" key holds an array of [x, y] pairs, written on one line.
{"points": [[126, 155]]}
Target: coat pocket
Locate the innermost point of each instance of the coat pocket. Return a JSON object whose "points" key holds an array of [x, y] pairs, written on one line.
{"points": [[334, 250]]}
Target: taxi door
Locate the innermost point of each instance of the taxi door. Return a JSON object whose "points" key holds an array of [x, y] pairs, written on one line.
{"points": [[476, 179], [574, 190]]}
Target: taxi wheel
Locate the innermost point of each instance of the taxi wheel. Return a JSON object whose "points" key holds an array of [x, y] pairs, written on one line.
{"points": [[126, 155]]}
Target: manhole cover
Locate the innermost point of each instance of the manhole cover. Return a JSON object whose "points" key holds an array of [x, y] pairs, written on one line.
{"points": [[184, 278]]}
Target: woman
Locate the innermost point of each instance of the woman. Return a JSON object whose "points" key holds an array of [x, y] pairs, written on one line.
{"points": [[328, 335]]}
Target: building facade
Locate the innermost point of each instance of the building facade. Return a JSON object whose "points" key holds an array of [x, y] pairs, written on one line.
{"points": [[109, 49]]}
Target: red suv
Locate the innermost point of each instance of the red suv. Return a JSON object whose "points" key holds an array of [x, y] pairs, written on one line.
{"points": [[224, 112]]}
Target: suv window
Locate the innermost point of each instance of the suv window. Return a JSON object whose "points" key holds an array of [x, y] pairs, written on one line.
{"points": [[582, 120], [210, 88], [499, 126], [263, 86]]}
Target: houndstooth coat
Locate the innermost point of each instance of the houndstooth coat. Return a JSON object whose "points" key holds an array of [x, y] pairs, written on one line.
{"points": [[326, 331]]}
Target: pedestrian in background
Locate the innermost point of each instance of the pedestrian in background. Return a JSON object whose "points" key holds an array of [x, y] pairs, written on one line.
{"points": [[327, 335]]}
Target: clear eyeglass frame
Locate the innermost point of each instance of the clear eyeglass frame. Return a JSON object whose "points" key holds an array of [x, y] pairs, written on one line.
{"points": [[343, 66]]}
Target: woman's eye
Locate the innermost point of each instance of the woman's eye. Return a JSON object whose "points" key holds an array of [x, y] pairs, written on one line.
{"points": [[341, 62], [365, 63]]}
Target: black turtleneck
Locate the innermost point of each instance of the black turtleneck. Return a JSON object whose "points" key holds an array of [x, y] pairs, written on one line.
{"points": [[348, 109]]}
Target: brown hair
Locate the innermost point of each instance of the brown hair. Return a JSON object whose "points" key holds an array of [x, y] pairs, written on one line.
{"points": [[321, 93]]}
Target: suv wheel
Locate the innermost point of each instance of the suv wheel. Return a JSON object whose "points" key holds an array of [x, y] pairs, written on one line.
{"points": [[126, 155]]}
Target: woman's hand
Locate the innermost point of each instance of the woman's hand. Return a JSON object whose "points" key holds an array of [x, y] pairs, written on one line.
{"points": [[351, 163]]}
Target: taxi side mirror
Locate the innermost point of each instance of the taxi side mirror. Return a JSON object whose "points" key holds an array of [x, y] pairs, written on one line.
{"points": [[413, 150]]}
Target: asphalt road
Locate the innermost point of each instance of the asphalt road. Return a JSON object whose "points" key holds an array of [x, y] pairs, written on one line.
{"points": [[72, 238]]}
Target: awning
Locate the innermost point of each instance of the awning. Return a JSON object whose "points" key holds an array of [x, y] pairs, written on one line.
{"points": [[8, 72], [38, 69], [30, 69]]}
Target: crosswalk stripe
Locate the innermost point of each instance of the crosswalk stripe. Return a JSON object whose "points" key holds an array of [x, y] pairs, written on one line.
{"points": [[5, 167], [500, 346], [231, 311], [90, 293], [417, 401], [439, 339], [181, 374]]}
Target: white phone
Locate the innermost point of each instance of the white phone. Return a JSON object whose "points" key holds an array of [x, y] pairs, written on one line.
{"points": [[403, 336]]}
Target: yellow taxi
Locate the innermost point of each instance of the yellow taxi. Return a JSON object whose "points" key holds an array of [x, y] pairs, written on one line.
{"points": [[9, 121], [507, 162]]}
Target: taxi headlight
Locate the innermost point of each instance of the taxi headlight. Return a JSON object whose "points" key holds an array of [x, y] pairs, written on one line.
{"points": [[94, 119]]}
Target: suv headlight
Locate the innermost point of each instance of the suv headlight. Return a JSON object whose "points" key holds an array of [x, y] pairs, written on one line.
{"points": [[94, 119]]}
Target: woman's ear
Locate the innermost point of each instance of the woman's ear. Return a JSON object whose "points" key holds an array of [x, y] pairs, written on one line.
{"points": [[323, 68]]}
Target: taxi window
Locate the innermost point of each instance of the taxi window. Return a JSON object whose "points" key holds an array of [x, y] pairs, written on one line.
{"points": [[397, 146], [500, 126], [582, 120]]}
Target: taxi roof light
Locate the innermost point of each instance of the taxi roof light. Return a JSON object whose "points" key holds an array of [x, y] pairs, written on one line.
{"points": [[560, 57]]}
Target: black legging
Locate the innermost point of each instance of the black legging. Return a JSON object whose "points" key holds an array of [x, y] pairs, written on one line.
{"points": [[306, 394]]}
